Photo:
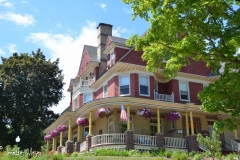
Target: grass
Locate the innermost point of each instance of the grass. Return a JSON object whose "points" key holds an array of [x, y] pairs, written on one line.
{"points": [[113, 158]]}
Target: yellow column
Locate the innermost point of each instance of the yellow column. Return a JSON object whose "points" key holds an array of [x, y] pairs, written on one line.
{"points": [[70, 129], [191, 121], [48, 146], [61, 138], [53, 144], [235, 134], [78, 133], [128, 122], [158, 120], [90, 123], [187, 127]]}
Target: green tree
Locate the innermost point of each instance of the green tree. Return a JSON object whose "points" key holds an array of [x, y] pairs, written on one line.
{"points": [[201, 30], [212, 145], [31, 85]]}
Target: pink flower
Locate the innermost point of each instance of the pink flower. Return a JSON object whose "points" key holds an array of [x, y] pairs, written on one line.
{"points": [[82, 121]]}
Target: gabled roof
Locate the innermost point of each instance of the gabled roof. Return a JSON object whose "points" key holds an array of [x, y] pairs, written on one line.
{"points": [[118, 40], [92, 52]]}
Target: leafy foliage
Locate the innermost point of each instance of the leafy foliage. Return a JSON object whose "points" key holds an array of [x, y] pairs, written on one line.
{"points": [[212, 145], [181, 31], [30, 86]]}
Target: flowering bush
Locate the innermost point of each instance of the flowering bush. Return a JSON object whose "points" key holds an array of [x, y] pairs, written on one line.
{"points": [[54, 133], [173, 116], [82, 121], [102, 112], [144, 112], [62, 128], [47, 137]]}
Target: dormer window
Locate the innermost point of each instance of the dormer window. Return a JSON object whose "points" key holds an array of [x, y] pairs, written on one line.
{"points": [[111, 61]]}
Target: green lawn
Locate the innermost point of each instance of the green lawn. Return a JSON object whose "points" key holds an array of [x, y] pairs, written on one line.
{"points": [[114, 158]]}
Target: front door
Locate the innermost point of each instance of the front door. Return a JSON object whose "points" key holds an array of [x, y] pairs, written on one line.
{"points": [[194, 127]]}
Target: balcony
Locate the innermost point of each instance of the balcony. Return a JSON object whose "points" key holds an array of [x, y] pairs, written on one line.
{"points": [[164, 97]]}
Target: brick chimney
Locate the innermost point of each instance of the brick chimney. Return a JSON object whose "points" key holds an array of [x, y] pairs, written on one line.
{"points": [[103, 30]]}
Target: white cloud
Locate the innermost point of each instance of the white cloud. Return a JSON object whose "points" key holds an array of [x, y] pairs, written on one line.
{"points": [[5, 3], [1, 52], [69, 50], [11, 48], [59, 25], [19, 19], [25, 2], [102, 5], [117, 32], [128, 11]]}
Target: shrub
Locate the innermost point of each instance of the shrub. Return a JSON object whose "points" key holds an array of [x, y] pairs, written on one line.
{"points": [[177, 155], [57, 157], [123, 153], [198, 156], [168, 154], [212, 146], [146, 154], [231, 156], [192, 153], [74, 154], [134, 153]]}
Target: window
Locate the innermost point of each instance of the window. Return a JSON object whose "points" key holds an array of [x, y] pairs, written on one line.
{"points": [[123, 125], [86, 131], [184, 94], [143, 85], [111, 56], [75, 104], [153, 126], [124, 85], [74, 136], [110, 125], [87, 98], [105, 91], [172, 125]]}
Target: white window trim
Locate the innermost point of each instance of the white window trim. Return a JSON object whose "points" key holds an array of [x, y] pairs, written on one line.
{"points": [[84, 97], [187, 100], [155, 124], [75, 104], [104, 92], [155, 83], [119, 90], [148, 95]]}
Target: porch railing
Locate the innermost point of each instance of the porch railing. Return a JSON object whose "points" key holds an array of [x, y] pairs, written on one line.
{"points": [[164, 97], [83, 146], [175, 142], [145, 140], [86, 83], [235, 146], [115, 138]]}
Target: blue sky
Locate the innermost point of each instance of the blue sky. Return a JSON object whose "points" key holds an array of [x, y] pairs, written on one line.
{"points": [[61, 28]]}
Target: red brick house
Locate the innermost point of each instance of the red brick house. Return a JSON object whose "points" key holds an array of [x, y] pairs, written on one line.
{"points": [[112, 74]]}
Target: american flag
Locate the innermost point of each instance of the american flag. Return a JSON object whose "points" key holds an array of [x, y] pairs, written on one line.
{"points": [[123, 115]]}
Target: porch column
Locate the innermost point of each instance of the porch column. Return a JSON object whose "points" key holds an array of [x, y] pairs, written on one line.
{"points": [[128, 122], [70, 129], [78, 139], [187, 127], [158, 120], [89, 136], [90, 123], [69, 143], [235, 134], [159, 135], [48, 146], [61, 138], [59, 148], [53, 144], [191, 121], [78, 133]]}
